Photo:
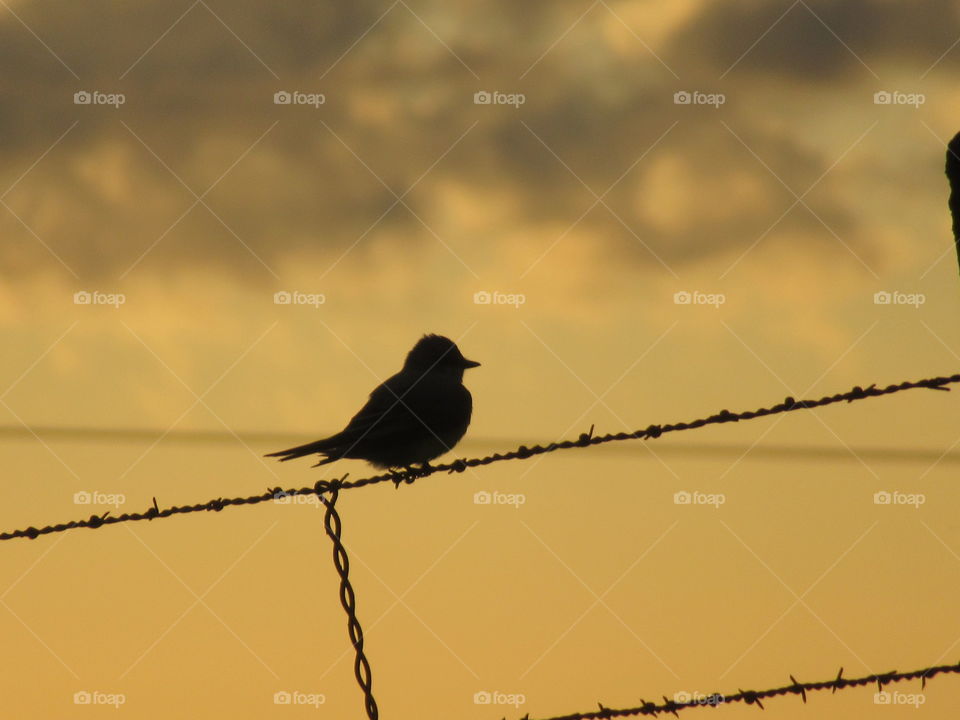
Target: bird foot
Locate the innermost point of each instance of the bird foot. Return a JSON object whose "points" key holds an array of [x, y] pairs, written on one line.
{"points": [[397, 477], [410, 473]]}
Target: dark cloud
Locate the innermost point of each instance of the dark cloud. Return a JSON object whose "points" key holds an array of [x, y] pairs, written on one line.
{"points": [[819, 40], [395, 103]]}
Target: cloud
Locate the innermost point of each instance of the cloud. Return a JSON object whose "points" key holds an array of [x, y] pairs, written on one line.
{"points": [[113, 197], [829, 40]]}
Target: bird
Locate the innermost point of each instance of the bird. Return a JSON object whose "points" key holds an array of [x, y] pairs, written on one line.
{"points": [[411, 418]]}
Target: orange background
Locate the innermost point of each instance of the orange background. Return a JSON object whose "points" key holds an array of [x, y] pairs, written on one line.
{"points": [[597, 200]]}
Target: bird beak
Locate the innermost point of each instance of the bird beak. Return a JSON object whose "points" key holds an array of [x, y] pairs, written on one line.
{"points": [[470, 363]]}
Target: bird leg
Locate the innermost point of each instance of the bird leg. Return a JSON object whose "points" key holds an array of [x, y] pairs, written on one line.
{"points": [[398, 477]]}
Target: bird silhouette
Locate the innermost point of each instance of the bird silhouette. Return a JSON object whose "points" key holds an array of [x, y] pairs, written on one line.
{"points": [[414, 416]]}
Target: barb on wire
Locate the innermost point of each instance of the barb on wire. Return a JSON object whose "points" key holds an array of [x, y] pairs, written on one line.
{"points": [[361, 668], [585, 440], [754, 697]]}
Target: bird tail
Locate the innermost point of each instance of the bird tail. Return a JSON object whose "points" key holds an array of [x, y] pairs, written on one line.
{"points": [[318, 446]]}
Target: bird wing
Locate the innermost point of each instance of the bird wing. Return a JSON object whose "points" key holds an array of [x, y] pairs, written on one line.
{"points": [[385, 416]]}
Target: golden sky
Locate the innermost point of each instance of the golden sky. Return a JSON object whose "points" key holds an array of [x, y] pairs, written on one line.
{"points": [[673, 210]]}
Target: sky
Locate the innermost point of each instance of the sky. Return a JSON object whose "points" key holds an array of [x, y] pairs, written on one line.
{"points": [[222, 224]]}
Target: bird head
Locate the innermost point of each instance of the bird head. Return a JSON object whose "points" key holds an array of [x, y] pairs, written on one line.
{"points": [[435, 353]]}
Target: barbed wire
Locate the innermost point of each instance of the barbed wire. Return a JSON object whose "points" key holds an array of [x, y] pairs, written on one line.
{"points": [[587, 439], [333, 528], [755, 697], [361, 667]]}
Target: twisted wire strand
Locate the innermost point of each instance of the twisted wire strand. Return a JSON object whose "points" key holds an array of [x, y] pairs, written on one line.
{"points": [[361, 667], [587, 439]]}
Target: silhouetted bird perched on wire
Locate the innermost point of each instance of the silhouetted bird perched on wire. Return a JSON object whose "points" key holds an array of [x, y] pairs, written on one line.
{"points": [[418, 414]]}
